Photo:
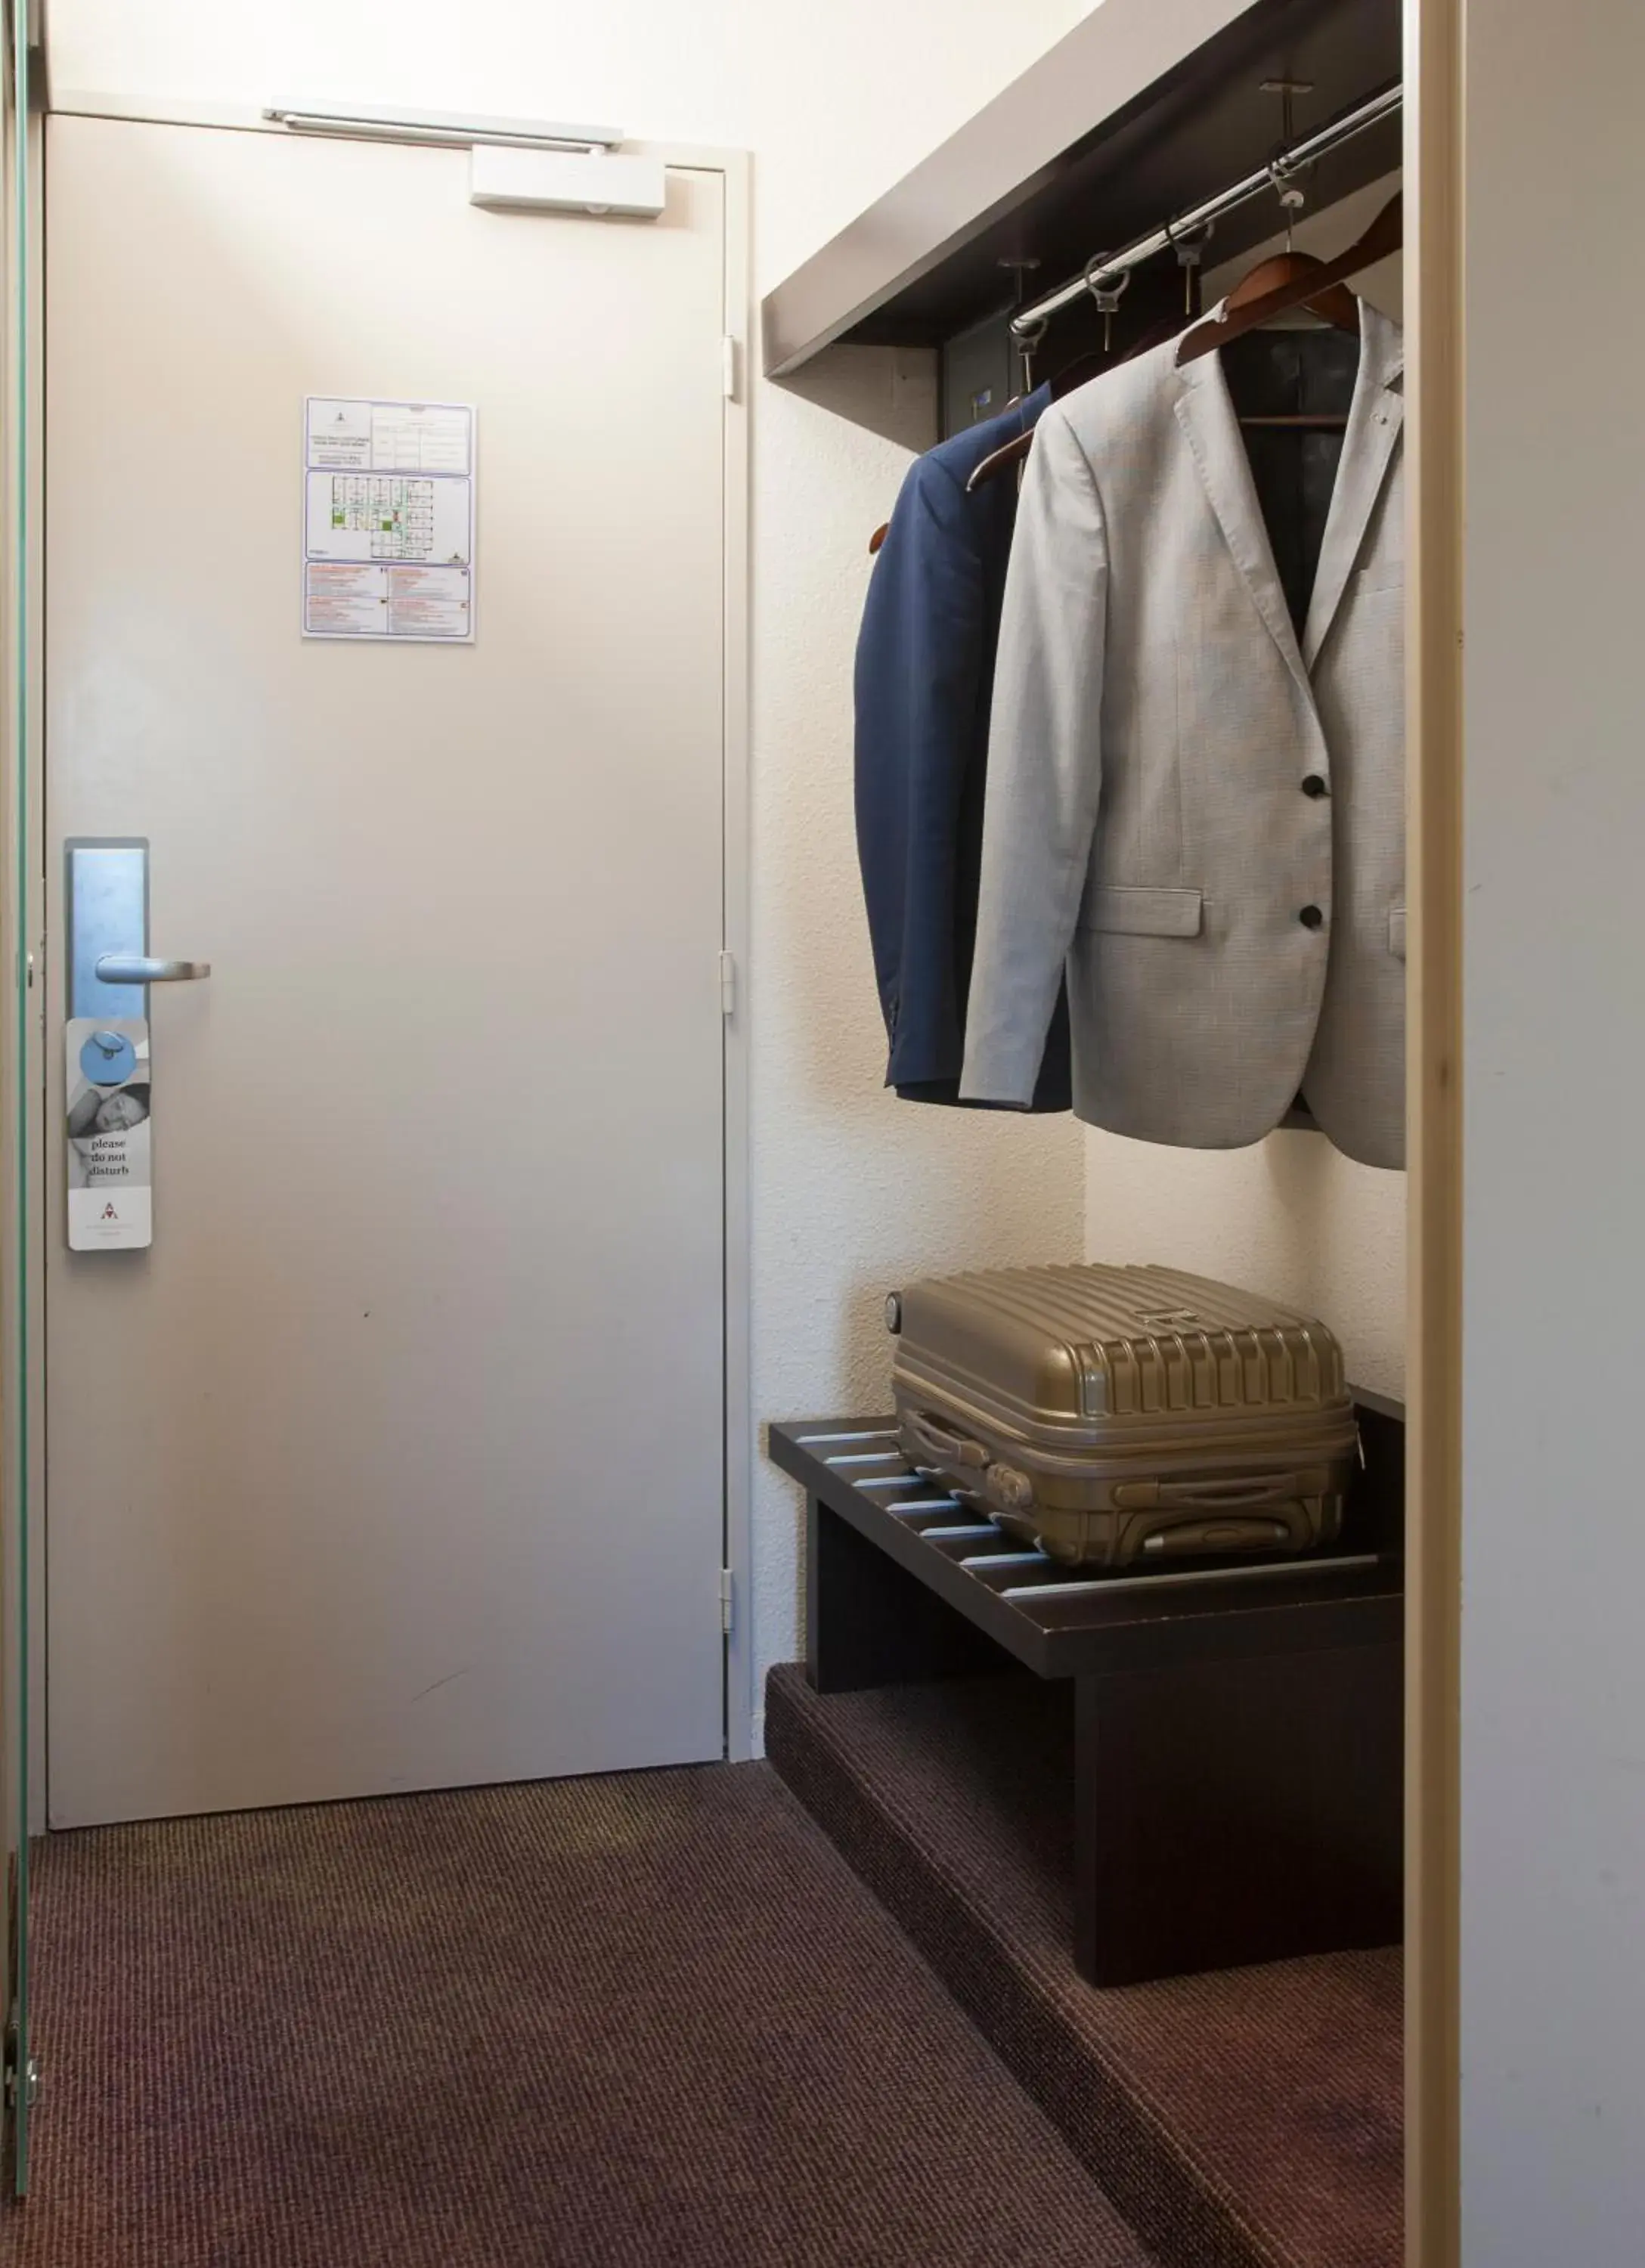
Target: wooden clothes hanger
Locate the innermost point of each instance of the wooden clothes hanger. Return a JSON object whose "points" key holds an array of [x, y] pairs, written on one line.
{"points": [[1083, 368], [1335, 305], [1078, 371], [1276, 286], [1296, 279], [1284, 281]]}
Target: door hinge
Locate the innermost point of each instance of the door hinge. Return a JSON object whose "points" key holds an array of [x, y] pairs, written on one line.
{"points": [[727, 984], [728, 368], [728, 1600], [27, 2083]]}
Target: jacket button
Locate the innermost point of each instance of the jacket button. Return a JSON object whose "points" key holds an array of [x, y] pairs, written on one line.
{"points": [[1311, 917], [1314, 785]]}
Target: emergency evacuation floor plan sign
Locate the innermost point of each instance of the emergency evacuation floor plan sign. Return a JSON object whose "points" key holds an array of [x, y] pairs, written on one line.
{"points": [[387, 520]]}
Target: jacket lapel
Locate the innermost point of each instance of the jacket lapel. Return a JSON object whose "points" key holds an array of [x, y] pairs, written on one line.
{"points": [[1207, 414], [1375, 418]]}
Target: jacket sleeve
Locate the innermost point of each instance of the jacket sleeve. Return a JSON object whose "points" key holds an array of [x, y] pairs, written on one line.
{"points": [[917, 676], [1044, 766]]}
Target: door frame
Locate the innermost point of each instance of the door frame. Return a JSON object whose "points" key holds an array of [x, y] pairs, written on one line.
{"points": [[737, 1434], [21, 1415], [1434, 444], [24, 1316]]}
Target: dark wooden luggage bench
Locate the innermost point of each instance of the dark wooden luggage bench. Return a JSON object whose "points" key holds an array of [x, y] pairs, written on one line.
{"points": [[1238, 1752]]}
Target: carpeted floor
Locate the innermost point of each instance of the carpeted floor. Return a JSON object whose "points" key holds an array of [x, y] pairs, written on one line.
{"points": [[639, 2020], [1251, 2118]]}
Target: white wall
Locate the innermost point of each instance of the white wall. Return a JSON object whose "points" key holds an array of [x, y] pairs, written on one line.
{"points": [[1291, 1218], [836, 101], [1553, 1539], [852, 1190]]}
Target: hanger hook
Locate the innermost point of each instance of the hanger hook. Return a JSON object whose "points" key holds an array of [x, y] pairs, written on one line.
{"points": [[1292, 196], [1108, 289], [1029, 343], [1191, 250]]}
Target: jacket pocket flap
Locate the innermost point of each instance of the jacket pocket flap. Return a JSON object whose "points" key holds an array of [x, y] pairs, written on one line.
{"points": [[1141, 911], [1397, 932]]}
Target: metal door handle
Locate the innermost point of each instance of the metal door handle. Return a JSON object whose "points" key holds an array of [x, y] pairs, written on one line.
{"points": [[138, 969]]}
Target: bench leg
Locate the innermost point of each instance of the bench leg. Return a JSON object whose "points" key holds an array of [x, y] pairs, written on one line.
{"points": [[1236, 1811], [870, 1621]]}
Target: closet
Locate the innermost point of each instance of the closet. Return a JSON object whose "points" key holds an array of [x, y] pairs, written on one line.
{"points": [[1127, 123], [1058, 257]]}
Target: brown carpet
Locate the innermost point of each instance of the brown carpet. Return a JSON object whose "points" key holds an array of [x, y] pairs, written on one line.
{"points": [[633, 2021], [1246, 2119]]}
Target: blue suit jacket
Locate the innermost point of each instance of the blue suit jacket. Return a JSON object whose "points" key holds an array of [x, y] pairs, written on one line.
{"points": [[924, 679]]}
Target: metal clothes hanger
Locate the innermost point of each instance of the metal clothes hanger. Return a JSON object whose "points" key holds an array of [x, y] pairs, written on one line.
{"points": [[1081, 372], [1085, 367]]}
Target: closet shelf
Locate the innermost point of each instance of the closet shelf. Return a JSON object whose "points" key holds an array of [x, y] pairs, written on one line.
{"points": [[1138, 113], [1058, 1623]]}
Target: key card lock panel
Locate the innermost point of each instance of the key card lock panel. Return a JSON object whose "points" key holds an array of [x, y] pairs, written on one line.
{"points": [[106, 910]]}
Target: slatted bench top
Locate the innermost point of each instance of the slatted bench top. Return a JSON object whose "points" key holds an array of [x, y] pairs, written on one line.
{"points": [[1061, 1623]]}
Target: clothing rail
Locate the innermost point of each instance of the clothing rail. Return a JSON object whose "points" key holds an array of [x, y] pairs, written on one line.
{"points": [[1029, 323]]}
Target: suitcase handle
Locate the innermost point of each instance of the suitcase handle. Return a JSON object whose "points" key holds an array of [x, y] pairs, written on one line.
{"points": [[941, 1446], [1233, 1495]]}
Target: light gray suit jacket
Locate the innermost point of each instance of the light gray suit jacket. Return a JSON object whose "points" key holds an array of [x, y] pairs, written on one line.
{"points": [[1232, 936]]}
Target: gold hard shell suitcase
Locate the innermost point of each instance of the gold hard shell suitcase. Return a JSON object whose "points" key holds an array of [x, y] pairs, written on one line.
{"points": [[1115, 1416]]}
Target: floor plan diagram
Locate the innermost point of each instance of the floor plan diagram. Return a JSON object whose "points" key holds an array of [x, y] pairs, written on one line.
{"points": [[388, 518], [398, 515]]}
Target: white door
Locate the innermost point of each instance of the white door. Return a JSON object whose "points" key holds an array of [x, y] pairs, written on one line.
{"points": [[397, 1461]]}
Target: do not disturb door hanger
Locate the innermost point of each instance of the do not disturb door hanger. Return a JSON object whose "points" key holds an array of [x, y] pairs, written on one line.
{"points": [[110, 1190]]}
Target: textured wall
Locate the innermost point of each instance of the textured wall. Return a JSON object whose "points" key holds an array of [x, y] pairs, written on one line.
{"points": [[1291, 1218], [854, 1191]]}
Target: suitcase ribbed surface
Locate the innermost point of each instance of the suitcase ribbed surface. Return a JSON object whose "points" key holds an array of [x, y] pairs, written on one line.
{"points": [[1103, 1342]]}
